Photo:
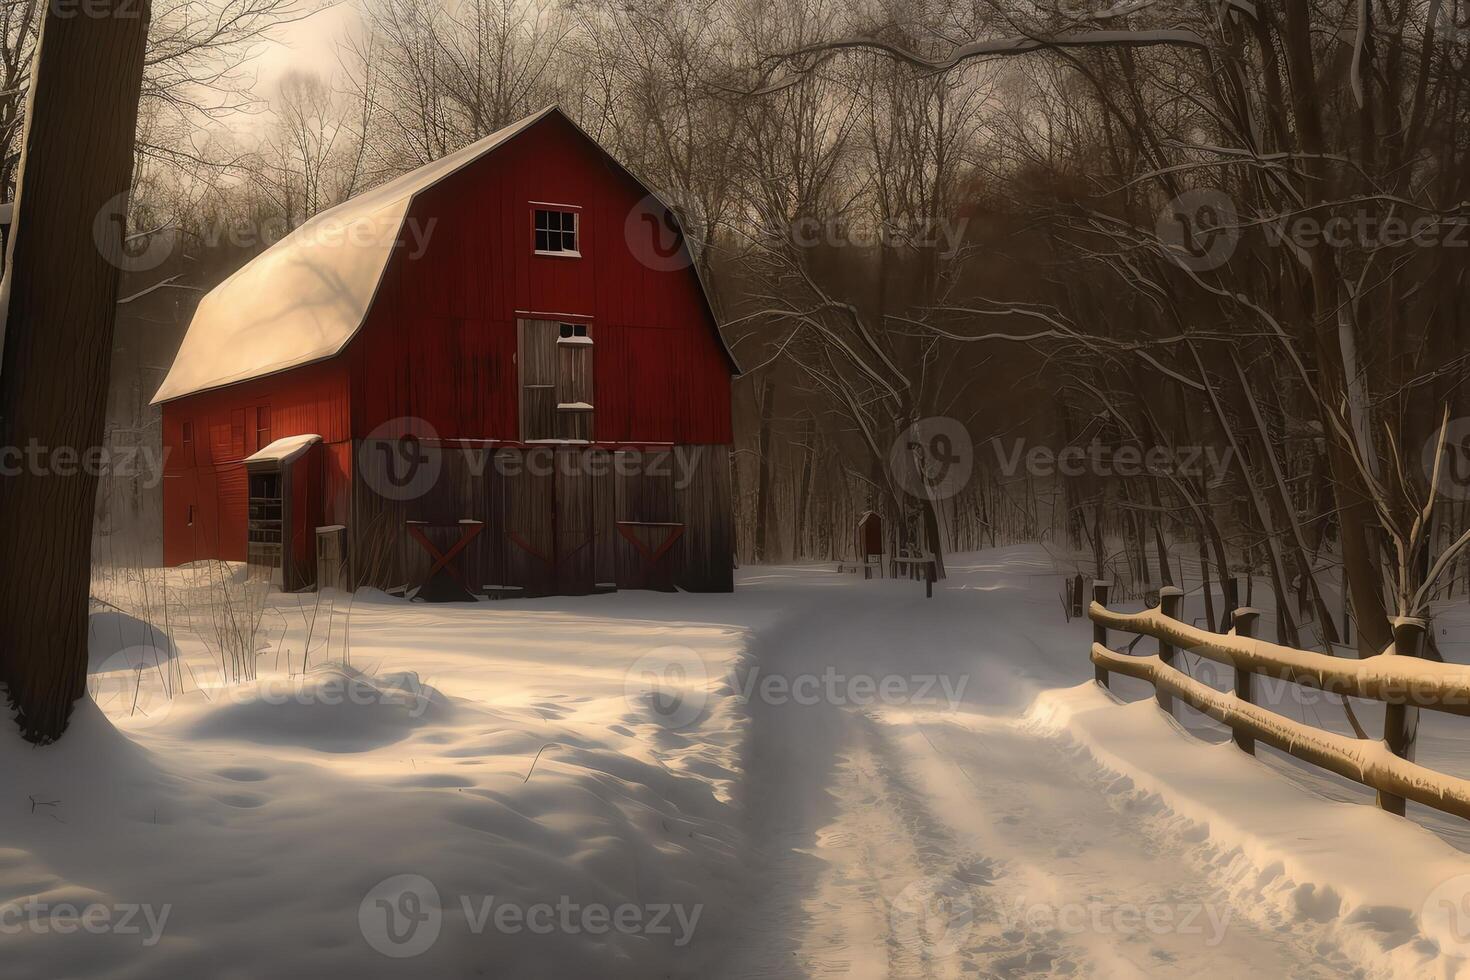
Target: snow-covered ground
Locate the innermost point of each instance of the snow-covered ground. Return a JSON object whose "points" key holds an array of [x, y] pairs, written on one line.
{"points": [[814, 776]]}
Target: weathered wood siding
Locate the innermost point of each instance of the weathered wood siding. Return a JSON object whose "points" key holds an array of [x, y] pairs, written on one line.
{"points": [[557, 520]]}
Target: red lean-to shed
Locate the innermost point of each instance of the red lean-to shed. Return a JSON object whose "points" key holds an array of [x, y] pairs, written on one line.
{"points": [[502, 366]]}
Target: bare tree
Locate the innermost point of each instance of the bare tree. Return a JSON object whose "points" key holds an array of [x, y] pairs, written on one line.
{"points": [[61, 291]]}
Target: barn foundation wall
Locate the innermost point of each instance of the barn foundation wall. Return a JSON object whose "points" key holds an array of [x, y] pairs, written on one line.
{"points": [[542, 520]]}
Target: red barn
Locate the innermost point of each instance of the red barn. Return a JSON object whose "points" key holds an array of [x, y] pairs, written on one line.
{"points": [[501, 369]]}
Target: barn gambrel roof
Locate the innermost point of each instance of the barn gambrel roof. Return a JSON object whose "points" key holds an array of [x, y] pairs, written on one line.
{"points": [[304, 298]]}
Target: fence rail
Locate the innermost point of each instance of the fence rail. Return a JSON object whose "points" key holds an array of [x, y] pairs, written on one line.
{"points": [[1398, 677]]}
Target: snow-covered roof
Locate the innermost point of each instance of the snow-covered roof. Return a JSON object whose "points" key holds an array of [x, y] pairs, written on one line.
{"points": [[304, 298], [284, 450]]}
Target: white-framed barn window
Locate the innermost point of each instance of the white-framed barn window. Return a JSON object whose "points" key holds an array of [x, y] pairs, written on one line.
{"points": [[557, 232]]}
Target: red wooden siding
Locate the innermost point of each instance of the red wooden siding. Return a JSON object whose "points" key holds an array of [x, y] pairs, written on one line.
{"points": [[224, 422], [440, 341]]}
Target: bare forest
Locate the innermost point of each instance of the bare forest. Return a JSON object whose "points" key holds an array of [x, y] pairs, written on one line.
{"points": [[1149, 278]]}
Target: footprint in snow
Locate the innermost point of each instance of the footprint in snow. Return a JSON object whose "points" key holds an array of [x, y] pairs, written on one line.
{"points": [[242, 801], [243, 774]]}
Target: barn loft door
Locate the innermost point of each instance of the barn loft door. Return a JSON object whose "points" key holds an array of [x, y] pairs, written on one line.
{"points": [[537, 359], [574, 382], [556, 380]]}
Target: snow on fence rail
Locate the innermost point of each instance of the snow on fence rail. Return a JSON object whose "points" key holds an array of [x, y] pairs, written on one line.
{"points": [[1399, 677]]}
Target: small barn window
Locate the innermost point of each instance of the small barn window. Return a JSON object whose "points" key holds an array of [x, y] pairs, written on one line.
{"points": [[556, 232], [187, 441], [570, 331]]}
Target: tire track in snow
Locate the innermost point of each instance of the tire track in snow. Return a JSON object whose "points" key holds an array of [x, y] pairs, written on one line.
{"points": [[1080, 848], [851, 810]]}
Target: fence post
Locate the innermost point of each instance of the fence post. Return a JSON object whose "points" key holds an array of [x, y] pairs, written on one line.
{"points": [[1245, 626], [1169, 599], [1099, 631], [1401, 721], [1233, 600]]}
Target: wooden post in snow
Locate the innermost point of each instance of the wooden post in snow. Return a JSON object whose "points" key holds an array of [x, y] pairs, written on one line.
{"points": [[1099, 631], [1233, 600], [1245, 620], [1170, 597], [1401, 721]]}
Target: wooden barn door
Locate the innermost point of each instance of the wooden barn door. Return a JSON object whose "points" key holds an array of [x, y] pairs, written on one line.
{"points": [[647, 529], [536, 354], [576, 523], [528, 521]]}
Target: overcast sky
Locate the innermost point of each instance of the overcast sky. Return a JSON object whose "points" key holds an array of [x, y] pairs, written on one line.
{"points": [[309, 45]]}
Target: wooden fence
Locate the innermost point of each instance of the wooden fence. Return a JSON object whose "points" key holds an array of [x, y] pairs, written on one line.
{"points": [[1400, 678]]}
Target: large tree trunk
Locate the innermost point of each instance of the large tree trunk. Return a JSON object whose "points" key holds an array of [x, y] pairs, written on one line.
{"points": [[65, 259]]}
